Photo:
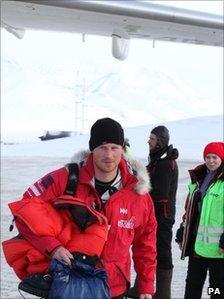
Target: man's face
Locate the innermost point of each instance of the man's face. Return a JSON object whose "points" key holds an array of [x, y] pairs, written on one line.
{"points": [[152, 142], [212, 161], [106, 157]]}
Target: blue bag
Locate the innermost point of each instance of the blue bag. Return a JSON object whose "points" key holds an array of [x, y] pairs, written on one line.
{"points": [[82, 281]]}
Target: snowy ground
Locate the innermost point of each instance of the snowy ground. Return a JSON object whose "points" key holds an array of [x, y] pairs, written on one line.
{"points": [[18, 173]]}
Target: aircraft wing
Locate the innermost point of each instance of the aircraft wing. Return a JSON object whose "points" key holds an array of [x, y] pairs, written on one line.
{"points": [[139, 19], [122, 20]]}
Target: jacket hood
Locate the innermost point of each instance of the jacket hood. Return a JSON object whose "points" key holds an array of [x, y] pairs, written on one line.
{"points": [[135, 167], [172, 153], [168, 153], [198, 173]]}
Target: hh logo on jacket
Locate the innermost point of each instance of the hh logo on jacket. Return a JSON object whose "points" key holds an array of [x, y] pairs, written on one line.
{"points": [[123, 211]]}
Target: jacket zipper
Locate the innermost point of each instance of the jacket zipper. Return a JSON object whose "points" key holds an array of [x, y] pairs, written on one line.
{"points": [[187, 224]]}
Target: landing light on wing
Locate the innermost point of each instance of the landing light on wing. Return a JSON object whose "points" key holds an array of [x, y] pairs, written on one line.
{"points": [[120, 44]]}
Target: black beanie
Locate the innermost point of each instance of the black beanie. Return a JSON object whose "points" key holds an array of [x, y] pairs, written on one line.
{"points": [[162, 135], [106, 130]]}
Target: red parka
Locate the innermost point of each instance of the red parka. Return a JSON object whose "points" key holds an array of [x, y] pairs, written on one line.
{"points": [[41, 222], [130, 216]]}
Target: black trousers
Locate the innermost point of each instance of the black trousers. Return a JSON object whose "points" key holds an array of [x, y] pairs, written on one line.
{"points": [[196, 275], [164, 251]]}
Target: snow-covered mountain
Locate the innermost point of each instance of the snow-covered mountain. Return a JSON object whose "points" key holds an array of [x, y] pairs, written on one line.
{"points": [[38, 98]]}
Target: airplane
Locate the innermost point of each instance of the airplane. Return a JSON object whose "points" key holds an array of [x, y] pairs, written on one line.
{"points": [[122, 20]]}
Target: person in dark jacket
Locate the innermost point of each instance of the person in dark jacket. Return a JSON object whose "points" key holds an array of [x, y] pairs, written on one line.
{"points": [[163, 172], [201, 234]]}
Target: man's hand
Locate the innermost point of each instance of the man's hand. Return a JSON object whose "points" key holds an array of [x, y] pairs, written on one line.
{"points": [[145, 296], [179, 234], [62, 254]]}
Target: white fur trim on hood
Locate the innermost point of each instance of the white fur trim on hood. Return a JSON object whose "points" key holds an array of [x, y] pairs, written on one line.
{"points": [[136, 167]]}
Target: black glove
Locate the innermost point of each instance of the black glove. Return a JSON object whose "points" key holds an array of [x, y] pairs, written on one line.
{"points": [[179, 234], [221, 241]]}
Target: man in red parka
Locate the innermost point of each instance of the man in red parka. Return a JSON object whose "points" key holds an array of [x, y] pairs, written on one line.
{"points": [[117, 188]]}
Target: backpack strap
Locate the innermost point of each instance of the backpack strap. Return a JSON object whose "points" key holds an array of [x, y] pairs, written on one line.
{"points": [[73, 174]]}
